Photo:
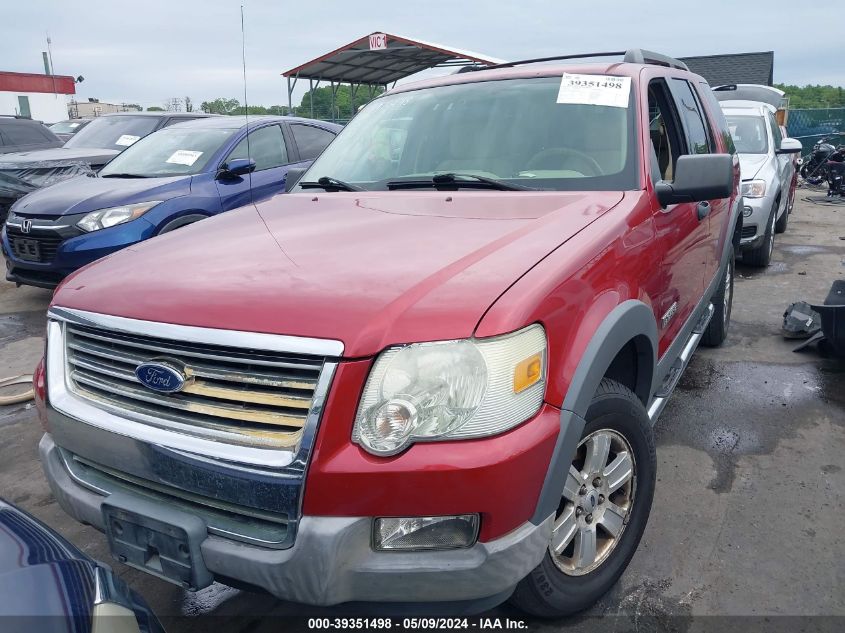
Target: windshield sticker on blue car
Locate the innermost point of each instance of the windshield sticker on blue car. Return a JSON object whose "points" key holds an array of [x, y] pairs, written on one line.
{"points": [[603, 90], [184, 157], [127, 140]]}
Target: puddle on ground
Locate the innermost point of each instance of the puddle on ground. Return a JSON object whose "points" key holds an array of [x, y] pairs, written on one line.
{"points": [[798, 249], [733, 409], [748, 272]]}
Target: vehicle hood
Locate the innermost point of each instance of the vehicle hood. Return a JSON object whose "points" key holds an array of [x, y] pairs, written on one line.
{"points": [[46, 579], [371, 269], [84, 194], [750, 164], [58, 155], [22, 172], [39, 570]]}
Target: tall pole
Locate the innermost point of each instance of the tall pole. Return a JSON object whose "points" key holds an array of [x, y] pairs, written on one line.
{"points": [[52, 72]]}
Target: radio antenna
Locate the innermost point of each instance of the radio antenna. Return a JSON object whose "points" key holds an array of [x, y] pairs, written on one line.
{"points": [[246, 101]]}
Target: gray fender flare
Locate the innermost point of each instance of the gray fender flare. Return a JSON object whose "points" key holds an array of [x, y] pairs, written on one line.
{"points": [[630, 320]]}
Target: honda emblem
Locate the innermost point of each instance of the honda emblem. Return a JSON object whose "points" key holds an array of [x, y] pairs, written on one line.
{"points": [[26, 226]]}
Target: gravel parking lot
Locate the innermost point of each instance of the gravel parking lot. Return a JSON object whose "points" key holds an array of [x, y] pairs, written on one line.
{"points": [[748, 511]]}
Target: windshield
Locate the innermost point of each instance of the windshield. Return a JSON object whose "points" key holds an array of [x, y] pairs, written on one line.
{"points": [[172, 151], [510, 130], [65, 127], [749, 134], [113, 132]]}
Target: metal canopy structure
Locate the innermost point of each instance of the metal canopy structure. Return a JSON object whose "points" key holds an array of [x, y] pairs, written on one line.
{"points": [[377, 60]]}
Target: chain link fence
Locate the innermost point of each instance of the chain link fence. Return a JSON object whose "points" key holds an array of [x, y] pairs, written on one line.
{"points": [[810, 125]]}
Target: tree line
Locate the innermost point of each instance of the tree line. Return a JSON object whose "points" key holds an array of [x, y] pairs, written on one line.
{"points": [[813, 96], [316, 103]]}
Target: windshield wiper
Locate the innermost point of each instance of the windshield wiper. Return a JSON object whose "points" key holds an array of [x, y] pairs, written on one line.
{"points": [[124, 176], [330, 184], [453, 180]]}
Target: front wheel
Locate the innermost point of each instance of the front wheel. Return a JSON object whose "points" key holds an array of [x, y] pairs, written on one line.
{"points": [[603, 510], [783, 220], [762, 255], [717, 329]]}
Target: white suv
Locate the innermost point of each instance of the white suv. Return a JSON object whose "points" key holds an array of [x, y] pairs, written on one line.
{"points": [[767, 175]]}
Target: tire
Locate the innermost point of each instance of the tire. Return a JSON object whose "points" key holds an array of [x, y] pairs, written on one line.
{"points": [[722, 300], [782, 221], [551, 592], [178, 223], [762, 255]]}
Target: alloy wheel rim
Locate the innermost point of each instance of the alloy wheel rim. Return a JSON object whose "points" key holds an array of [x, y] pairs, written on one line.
{"points": [[728, 296], [596, 503]]}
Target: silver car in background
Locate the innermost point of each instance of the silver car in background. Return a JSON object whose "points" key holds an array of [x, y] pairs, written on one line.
{"points": [[767, 168]]}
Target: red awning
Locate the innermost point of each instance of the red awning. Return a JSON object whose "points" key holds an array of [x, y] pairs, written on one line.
{"points": [[31, 82]]}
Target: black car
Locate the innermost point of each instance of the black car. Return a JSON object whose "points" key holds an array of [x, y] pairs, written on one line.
{"points": [[47, 584], [19, 134], [101, 140], [65, 129]]}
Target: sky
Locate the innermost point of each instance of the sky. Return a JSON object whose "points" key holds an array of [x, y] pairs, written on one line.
{"points": [[149, 51]]}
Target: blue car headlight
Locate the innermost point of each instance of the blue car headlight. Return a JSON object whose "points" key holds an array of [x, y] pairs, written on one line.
{"points": [[104, 218]]}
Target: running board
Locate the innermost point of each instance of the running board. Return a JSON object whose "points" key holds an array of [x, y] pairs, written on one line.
{"points": [[670, 380]]}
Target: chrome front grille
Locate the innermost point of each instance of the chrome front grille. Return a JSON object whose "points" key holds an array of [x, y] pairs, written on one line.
{"points": [[240, 396]]}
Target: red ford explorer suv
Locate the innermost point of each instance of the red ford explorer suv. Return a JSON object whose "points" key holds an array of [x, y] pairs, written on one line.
{"points": [[430, 372]]}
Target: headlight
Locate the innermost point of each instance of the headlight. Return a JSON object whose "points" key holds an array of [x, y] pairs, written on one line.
{"points": [[451, 390], [104, 218], [754, 188]]}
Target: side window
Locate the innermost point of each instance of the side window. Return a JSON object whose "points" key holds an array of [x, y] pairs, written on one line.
{"points": [[776, 133], [717, 115], [666, 143], [310, 140], [691, 115], [266, 148], [24, 134]]}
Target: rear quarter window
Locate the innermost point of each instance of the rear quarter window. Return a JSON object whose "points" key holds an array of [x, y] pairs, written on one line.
{"points": [[310, 140]]}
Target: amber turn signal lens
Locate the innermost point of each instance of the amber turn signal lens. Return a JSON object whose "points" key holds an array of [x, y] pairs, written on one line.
{"points": [[528, 372]]}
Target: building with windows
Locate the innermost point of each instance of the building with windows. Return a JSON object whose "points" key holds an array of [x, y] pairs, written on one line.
{"points": [[95, 107], [40, 97]]}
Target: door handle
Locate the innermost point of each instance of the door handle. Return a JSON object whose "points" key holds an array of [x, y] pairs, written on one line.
{"points": [[703, 209]]}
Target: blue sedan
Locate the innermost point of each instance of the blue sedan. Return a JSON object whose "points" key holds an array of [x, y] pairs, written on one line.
{"points": [[171, 178]]}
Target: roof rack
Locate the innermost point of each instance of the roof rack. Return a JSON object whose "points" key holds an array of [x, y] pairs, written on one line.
{"points": [[631, 56]]}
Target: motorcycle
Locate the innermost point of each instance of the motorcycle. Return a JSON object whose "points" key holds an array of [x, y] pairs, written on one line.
{"points": [[835, 172], [814, 167]]}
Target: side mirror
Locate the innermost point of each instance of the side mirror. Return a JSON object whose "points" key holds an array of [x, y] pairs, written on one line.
{"points": [[236, 167], [698, 177], [293, 176], [789, 146]]}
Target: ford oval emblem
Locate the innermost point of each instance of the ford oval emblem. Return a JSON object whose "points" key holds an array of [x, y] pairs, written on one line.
{"points": [[160, 377]]}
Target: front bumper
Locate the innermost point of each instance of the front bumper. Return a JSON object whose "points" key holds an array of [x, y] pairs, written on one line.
{"points": [[332, 562], [754, 225], [73, 249]]}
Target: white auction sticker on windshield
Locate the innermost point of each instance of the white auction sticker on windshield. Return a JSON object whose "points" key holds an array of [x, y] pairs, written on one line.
{"points": [[184, 157], [127, 140], [603, 90]]}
